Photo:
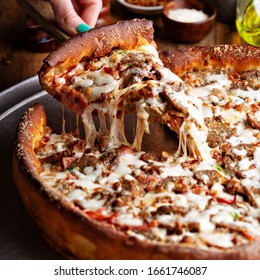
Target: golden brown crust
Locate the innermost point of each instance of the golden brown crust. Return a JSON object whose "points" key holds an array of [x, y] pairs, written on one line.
{"points": [[95, 43], [100, 41], [29, 134], [74, 234], [237, 58]]}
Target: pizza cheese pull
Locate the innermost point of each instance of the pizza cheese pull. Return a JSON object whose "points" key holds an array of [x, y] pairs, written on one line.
{"points": [[136, 81]]}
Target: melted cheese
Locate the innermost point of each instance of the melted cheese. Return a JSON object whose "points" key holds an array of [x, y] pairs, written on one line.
{"points": [[221, 240], [149, 193], [102, 83]]}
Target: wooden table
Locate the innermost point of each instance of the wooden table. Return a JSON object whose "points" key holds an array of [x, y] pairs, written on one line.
{"points": [[18, 63]]}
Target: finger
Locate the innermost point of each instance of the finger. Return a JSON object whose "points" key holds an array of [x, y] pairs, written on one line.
{"points": [[66, 16], [89, 11]]}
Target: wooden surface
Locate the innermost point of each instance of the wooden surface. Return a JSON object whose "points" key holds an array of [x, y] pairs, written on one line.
{"points": [[17, 63]]}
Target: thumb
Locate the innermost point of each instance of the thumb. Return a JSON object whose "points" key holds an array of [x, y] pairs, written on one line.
{"points": [[67, 18]]}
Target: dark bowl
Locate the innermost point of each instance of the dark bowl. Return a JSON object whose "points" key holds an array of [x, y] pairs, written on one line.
{"points": [[188, 32]]}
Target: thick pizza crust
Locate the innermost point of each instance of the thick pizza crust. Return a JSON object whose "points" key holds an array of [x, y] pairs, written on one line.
{"points": [[238, 58], [100, 41], [29, 134], [65, 226], [95, 43], [74, 234]]}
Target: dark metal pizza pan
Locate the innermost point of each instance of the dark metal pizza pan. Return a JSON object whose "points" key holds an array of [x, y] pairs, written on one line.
{"points": [[19, 237]]}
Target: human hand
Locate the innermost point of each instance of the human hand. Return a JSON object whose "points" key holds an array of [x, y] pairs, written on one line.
{"points": [[75, 16]]}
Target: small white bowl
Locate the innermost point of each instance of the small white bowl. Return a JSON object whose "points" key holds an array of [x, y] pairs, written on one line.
{"points": [[188, 32]]}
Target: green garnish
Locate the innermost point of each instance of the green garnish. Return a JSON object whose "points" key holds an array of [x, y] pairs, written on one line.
{"points": [[122, 52], [234, 215], [72, 168], [219, 168]]}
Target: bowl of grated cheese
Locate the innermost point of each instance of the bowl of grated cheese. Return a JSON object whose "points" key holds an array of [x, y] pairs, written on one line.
{"points": [[188, 21]]}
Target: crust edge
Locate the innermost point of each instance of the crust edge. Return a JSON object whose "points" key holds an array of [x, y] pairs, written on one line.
{"points": [[75, 235], [238, 58], [97, 42]]}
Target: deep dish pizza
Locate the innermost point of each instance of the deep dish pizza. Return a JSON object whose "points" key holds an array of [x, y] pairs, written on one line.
{"points": [[103, 195]]}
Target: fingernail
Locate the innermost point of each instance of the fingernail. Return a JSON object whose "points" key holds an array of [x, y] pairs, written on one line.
{"points": [[83, 27]]}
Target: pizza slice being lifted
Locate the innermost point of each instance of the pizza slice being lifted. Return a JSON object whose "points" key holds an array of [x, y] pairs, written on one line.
{"points": [[114, 200], [124, 73]]}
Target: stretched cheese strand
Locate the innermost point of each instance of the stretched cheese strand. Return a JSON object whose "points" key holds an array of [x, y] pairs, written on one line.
{"points": [[142, 125], [117, 126], [193, 132], [195, 140], [103, 122], [89, 126]]}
